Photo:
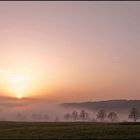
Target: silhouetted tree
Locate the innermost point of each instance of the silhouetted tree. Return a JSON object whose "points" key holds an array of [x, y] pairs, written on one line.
{"points": [[113, 116], [34, 117], [46, 117], [39, 117], [20, 117], [83, 115], [56, 119], [74, 115], [134, 114], [67, 116], [101, 115]]}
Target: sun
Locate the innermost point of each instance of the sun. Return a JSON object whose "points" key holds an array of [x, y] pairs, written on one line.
{"points": [[19, 85], [19, 96]]}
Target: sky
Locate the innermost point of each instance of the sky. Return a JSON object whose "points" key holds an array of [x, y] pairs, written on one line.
{"points": [[70, 51]]}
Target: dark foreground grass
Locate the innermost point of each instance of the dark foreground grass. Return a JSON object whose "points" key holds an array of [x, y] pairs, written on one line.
{"points": [[62, 130]]}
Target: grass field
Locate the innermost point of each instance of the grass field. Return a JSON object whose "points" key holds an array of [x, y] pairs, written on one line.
{"points": [[62, 130]]}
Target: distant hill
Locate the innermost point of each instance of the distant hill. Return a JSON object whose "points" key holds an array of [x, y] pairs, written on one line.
{"points": [[116, 105]]}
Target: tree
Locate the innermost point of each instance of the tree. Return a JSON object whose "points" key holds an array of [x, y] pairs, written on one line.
{"points": [[101, 115], [74, 115], [46, 117], [34, 117], [83, 115], [113, 116], [39, 117], [56, 119], [67, 116], [20, 117], [134, 114]]}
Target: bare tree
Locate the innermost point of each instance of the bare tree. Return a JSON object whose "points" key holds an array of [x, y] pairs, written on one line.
{"points": [[134, 114], [20, 117], [46, 117], [67, 116], [101, 115], [113, 116], [83, 115], [56, 119], [34, 117], [39, 116], [74, 115]]}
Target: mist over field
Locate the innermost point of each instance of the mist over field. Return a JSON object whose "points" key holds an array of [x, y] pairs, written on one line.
{"points": [[13, 109]]}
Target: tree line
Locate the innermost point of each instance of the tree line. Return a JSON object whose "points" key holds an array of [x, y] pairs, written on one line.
{"points": [[101, 115], [34, 117], [84, 116]]}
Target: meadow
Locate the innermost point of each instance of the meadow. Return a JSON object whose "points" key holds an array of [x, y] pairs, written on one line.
{"points": [[69, 130]]}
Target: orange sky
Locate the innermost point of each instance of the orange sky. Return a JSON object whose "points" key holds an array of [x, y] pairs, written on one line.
{"points": [[70, 50]]}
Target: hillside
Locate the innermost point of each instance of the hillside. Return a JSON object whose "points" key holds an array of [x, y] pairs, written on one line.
{"points": [[116, 105]]}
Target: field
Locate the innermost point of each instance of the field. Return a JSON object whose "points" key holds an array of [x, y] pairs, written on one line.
{"points": [[62, 130]]}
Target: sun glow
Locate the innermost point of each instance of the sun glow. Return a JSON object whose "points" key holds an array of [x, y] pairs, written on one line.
{"points": [[19, 96], [19, 85]]}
